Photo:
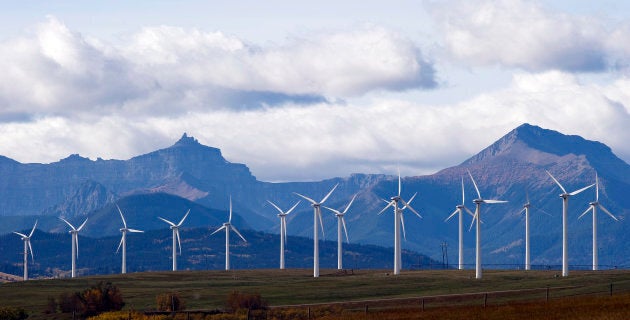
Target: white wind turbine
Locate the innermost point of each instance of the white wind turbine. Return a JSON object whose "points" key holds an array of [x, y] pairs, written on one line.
{"points": [[227, 226], [565, 208], [283, 229], [526, 209], [398, 222], [460, 209], [123, 240], [27, 248], [593, 206], [317, 214], [477, 219], [341, 222], [75, 243], [176, 239]]}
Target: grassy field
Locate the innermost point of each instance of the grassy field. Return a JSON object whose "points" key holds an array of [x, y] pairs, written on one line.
{"points": [[209, 289]]}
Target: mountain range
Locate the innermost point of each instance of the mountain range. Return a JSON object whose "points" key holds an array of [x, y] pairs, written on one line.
{"points": [[189, 175]]}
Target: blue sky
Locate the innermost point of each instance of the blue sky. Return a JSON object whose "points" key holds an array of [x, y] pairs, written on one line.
{"points": [[309, 90]]}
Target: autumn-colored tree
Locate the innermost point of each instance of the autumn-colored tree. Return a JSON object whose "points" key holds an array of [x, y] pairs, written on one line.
{"points": [[170, 302], [238, 300]]}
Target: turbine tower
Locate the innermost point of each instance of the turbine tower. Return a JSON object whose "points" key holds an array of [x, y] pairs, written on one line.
{"points": [[283, 229], [123, 241], [476, 219], [75, 243], [565, 208], [27, 248], [526, 206], [460, 209], [227, 226], [398, 221], [341, 222], [176, 239], [317, 213], [593, 206]]}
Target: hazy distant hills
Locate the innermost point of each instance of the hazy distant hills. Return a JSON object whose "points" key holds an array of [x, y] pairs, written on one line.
{"points": [[189, 175], [151, 251]]}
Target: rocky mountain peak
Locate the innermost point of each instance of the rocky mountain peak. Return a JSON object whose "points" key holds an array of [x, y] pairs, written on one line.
{"points": [[186, 141]]}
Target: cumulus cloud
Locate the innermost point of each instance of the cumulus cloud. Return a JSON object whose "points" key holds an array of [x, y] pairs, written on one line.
{"points": [[170, 70], [325, 140], [521, 34]]}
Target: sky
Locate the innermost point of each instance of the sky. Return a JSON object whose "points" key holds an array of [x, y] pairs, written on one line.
{"points": [[309, 90]]}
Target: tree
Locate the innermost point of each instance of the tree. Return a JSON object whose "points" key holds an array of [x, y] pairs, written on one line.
{"points": [[170, 302], [237, 300]]}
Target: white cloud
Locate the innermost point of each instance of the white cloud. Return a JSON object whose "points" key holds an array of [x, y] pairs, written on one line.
{"points": [[325, 140], [171, 70], [521, 34]]}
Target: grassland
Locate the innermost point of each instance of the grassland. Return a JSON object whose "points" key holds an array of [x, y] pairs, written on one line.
{"points": [[208, 289]]}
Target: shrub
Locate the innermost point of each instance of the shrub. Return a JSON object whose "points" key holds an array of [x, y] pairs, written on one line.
{"points": [[10, 313], [90, 302], [170, 302], [237, 300]]}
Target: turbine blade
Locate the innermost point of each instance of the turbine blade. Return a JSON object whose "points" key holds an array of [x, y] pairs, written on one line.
{"points": [[475, 217], [230, 219], [305, 198], [321, 222], [407, 206], [179, 241], [349, 204], [412, 197], [585, 212], [545, 212], [66, 221], [76, 244], [399, 183], [82, 225], [402, 223], [452, 215], [134, 230], [20, 234], [184, 218], [31, 250], [523, 210], [494, 201], [463, 193], [170, 223], [608, 212], [119, 245], [556, 181], [121, 215], [527, 195], [275, 206], [578, 191], [333, 210], [469, 212], [292, 208], [215, 231], [389, 204], [596, 188], [33, 230], [343, 222], [329, 193], [474, 183], [239, 234]]}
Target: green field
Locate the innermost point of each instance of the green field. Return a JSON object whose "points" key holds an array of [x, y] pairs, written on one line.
{"points": [[209, 289]]}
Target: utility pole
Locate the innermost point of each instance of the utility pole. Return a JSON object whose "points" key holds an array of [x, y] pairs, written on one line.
{"points": [[444, 246]]}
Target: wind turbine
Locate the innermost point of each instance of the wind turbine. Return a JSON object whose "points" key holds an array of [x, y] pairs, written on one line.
{"points": [[123, 240], [593, 206], [477, 219], [317, 214], [176, 239], [565, 207], [227, 226], [460, 209], [27, 248], [341, 222], [75, 243], [283, 229], [398, 222]]}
